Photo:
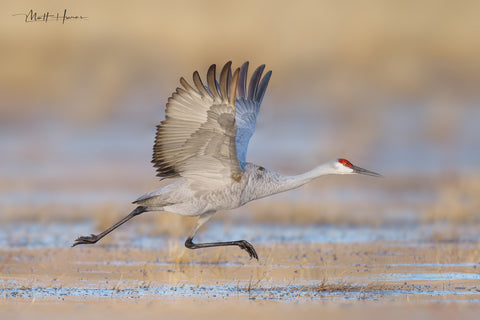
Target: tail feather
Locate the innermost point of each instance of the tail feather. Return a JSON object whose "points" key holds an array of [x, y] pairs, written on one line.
{"points": [[149, 200]]}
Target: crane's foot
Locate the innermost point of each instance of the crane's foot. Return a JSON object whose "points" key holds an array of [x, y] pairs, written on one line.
{"points": [[247, 246], [86, 240]]}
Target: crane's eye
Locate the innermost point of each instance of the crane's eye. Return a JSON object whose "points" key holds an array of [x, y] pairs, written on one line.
{"points": [[345, 162]]}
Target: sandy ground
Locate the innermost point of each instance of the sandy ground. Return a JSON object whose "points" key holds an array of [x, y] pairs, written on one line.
{"points": [[419, 276]]}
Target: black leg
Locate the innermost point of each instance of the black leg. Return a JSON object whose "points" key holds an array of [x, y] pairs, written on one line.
{"points": [[94, 238], [243, 244]]}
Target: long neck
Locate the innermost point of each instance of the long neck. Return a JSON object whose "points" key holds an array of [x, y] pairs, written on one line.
{"points": [[292, 182], [264, 185]]}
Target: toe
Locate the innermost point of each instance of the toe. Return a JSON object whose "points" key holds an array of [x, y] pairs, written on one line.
{"points": [[250, 249], [85, 240]]}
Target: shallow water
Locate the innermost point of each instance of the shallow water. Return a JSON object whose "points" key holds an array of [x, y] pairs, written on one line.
{"points": [[283, 293], [297, 263], [432, 276], [44, 235]]}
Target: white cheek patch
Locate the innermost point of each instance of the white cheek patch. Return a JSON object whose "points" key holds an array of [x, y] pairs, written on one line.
{"points": [[346, 170], [342, 169]]}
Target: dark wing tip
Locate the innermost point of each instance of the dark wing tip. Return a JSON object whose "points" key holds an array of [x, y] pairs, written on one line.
{"points": [[197, 80], [234, 87], [224, 80], [186, 85], [254, 80], [212, 82], [262, 87], [242, 80]]}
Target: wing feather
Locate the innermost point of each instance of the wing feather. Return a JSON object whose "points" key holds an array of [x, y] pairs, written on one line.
{"points": [[197, 138], [233, 87], [224, 80], [242, 80], [187, 86], [262, 87], [212, 82], [199, 84], [252, 87], [247, 107]]}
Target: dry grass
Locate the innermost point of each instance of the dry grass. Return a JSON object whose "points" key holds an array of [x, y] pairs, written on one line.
{"points": [[324, 286], [348, 54], [395, 200], [287, 212], [457, 201]]}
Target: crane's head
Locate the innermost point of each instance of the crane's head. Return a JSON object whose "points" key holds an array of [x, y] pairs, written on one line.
{"points": [[344, 166]]}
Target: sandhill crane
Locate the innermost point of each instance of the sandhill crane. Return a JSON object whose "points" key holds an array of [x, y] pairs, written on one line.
{"points": [[203, 141]]}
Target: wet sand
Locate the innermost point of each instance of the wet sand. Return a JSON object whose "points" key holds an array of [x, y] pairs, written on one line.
{"points": [[377, 274]]}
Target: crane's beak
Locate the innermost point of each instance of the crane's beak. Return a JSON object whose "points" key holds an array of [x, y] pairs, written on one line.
{"points": [[365, 172]]}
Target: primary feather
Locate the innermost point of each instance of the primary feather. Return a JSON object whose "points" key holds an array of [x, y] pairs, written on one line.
{"points": [[247, 107]]}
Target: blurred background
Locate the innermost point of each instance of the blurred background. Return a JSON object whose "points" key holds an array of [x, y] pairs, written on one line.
{"points": [[390, 85]]}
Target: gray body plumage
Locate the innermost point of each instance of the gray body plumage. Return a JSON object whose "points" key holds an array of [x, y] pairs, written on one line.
{"points": [[181, 197]]}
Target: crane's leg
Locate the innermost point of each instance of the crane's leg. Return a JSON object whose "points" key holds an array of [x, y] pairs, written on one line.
{"points": [[243, 244], [91, 239]]}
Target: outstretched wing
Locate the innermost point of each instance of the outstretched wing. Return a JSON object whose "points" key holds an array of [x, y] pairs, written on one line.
{"points": [[247, 106], [197, 138]]}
